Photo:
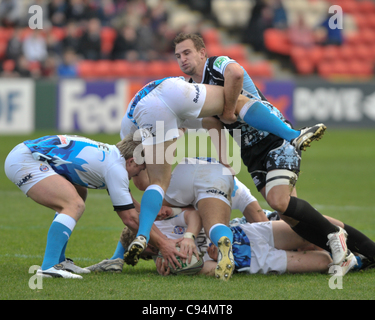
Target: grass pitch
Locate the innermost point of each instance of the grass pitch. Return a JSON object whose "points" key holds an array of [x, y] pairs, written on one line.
{"points": [[337, 177]]}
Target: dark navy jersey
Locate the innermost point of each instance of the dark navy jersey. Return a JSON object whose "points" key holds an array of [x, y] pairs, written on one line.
{"points": [[213, 74]]}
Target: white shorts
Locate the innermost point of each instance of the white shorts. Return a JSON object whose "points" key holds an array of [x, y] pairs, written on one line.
{"points": [[265, 258], [23, 170], [193, 182], [160, 112]]}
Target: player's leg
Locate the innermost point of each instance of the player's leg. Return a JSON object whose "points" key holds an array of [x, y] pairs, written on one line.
{"points": [[60, 195], [258, 115], [159, 173], [307, 261], [215, 216]]}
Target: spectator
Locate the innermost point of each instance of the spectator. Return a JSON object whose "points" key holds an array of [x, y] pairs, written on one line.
{"points": [[90, 42], [280, 19], [125, 45], [48, 67], [326, 35], [72, 37], [35, 46], [22, 67], [14, 47], [261, 19], [300, 34], [145, 43], [10, 13], [57, 12], [68, 66], [78, 11]]}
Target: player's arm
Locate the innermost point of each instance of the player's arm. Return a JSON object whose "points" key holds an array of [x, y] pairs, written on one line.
{"points": [[194, 226], [233, 84], [166, 246]]}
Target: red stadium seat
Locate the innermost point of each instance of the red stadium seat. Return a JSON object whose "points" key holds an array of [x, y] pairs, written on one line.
{"points": [[103, 69], [277, 41], [157, 69], [236, 52], [173, 69], [86, 69], [121, 68], [211, 37], [9, 65]]}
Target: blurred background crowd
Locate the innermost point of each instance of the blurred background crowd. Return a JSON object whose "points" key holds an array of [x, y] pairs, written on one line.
{"points": [[271, 37]]}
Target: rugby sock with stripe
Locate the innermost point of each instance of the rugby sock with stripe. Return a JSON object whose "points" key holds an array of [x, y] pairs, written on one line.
{"points": [[57, 238], [259, 116], [151, 203], [62, 255], [219, 230]]}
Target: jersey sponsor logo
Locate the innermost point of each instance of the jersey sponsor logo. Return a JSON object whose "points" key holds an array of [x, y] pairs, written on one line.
{"points": [[218, 192], [197, 93], [24, 180], [219, 61]]}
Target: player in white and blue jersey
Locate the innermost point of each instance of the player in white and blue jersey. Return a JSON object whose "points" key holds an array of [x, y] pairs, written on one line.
{"points": [[55, 171]]}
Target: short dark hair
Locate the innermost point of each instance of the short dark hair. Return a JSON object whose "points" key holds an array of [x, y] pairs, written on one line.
{"points": [[196, 38]]}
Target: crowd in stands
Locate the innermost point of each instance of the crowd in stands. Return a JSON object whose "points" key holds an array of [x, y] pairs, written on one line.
{"points": [[139, 30], [76, 30]]}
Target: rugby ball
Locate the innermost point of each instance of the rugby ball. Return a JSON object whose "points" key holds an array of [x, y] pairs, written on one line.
{"points": [[191, 268]]}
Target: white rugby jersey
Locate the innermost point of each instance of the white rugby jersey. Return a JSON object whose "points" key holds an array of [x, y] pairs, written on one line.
{"points": [[87, 163]]}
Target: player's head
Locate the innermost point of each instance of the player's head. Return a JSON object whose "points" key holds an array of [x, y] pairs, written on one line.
{"points": [[127, 237], [190, 52], [131, 149]]}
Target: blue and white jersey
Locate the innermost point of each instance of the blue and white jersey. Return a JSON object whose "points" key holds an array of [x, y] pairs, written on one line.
{"points": [[139, 95], [87, 163], [214, 74]]}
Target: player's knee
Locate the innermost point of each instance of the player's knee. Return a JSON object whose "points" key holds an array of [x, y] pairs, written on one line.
{"points": [[278, 198]]}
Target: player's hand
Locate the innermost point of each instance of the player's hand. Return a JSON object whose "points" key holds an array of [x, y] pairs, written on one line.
{"points": [[161, 268], [228, 117], [188, 247], [169, 253]]}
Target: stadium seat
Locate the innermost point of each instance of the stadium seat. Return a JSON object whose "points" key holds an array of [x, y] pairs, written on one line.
{"points": [[215, 50], [211, 36], [58, 33], [107, 36], [9, 65], [316, 54], [86, 68], [173, 69], [120, 68], [236, 52], [277, 41], [304, 66], [347, 52], [103, 69], [261, 70], [330, 53], [157, 69]]}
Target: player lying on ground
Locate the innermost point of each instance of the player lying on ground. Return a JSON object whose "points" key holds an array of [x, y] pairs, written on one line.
{"points": [[55, 171], [246, 203]]}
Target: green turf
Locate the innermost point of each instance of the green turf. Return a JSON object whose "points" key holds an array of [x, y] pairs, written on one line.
{"points": [[337, 177]]}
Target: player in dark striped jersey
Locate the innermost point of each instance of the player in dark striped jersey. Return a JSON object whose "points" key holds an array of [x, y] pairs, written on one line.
{"points": [[273, 163]]}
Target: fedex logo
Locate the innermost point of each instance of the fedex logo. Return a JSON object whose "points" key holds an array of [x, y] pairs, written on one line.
{"points": [[91, 107]]}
